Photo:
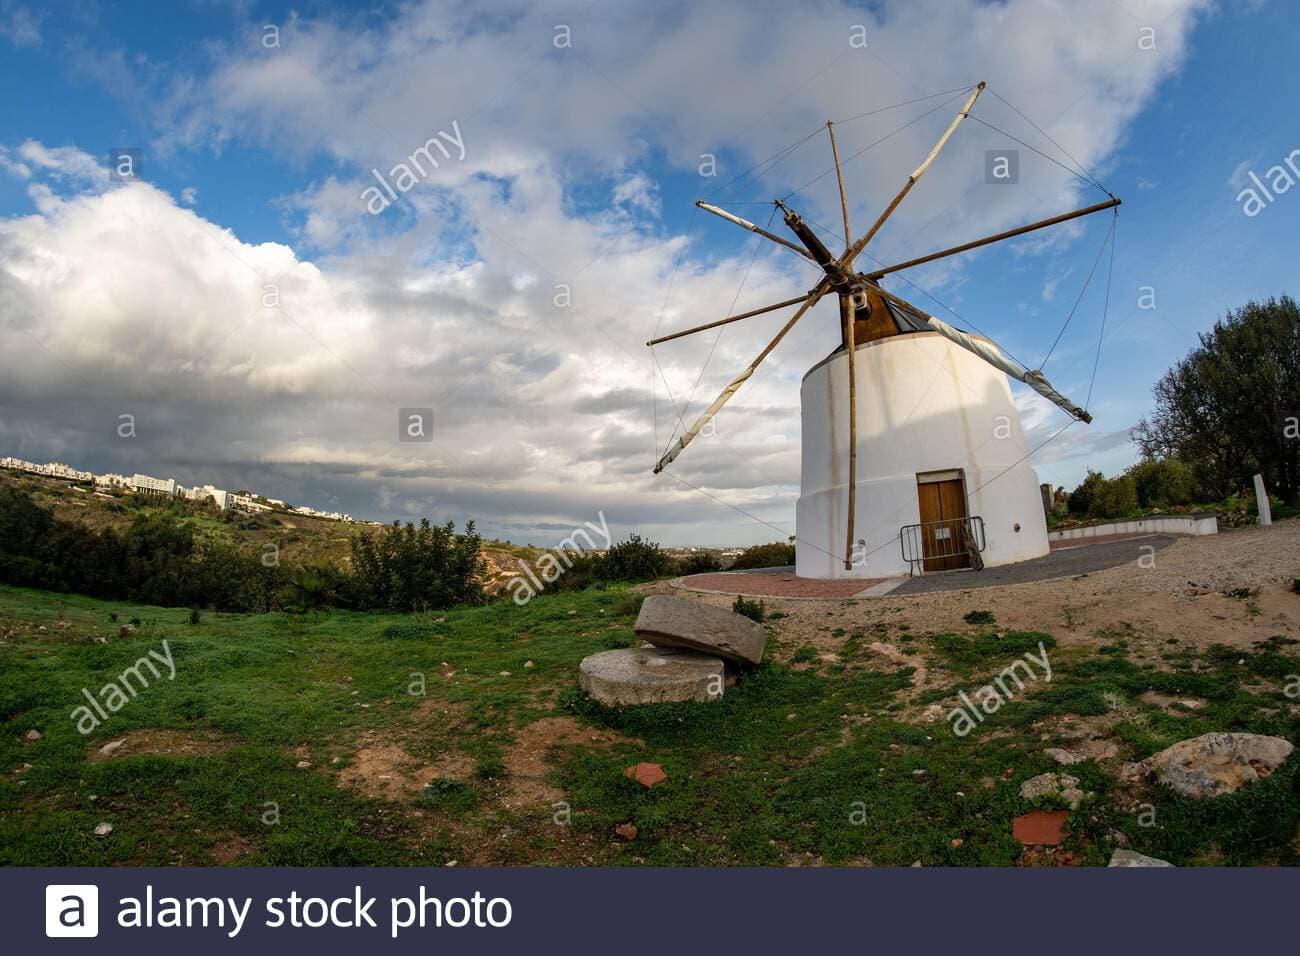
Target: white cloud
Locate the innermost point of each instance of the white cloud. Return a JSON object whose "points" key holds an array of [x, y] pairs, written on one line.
{"points": [[448, 299], [19, 25]]}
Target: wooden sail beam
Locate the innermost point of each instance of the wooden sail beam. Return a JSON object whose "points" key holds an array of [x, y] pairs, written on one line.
{"points": [[731, 318], [746, 224], [917, 173], [812, 299], [1009, 234], [839, 174], [848, 318]]}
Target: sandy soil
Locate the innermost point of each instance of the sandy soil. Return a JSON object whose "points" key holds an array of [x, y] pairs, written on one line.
{"points": [[1182, 591]]}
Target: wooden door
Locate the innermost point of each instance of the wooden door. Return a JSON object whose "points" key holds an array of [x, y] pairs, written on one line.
{"points": [[943, 508]]}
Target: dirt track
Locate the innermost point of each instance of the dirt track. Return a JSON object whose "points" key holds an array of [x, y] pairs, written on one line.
{"points": [[1183, 591]]}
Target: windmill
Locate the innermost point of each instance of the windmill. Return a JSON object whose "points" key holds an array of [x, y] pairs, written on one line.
{"points": [[919, 469]]}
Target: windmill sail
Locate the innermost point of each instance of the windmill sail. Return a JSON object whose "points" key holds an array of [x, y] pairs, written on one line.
{"points": [[989, 352]]}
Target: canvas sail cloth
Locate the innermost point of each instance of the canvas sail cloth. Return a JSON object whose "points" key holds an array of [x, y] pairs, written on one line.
{"points": [[915, 320]]}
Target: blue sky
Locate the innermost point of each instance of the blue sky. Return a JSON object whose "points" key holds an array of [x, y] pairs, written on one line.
{"points": [[581, 166]]}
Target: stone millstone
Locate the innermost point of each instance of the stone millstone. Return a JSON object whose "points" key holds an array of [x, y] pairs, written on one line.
{"points": [[668, 621], [651, 675], [1218, 763]]}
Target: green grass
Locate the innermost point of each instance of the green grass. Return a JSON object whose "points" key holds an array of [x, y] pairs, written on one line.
{"points": [[815, 761]]}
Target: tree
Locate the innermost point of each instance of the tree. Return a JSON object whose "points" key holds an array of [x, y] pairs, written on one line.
{"points": [[778, 554], [1220, 409], [410, 569]]}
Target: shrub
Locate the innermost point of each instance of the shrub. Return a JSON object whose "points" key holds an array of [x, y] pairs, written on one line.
{"points": [[754, 610], [979, 617], [1163, 483], [778, 554], [196, 616], [1113, 498], [701, 563], [634, 560], [411, 569], [1080, 499]]}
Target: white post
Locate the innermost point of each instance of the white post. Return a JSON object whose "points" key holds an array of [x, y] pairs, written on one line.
{"points": [[1261, 496]]}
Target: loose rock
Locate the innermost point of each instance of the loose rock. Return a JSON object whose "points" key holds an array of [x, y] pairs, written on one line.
{"points": [[646, 774], [1063, 757], [103, 830], [32, 736], [668, 621], [1060, 785], [626, 830], [1217, 763], [1124, 858]]}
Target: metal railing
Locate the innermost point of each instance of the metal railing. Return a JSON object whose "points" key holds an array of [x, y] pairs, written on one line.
{"points": [[942, 539]]}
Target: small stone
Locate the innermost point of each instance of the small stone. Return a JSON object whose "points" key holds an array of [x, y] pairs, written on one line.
{"points": [[646, 774], [626, 830], [450, 863], [503, 673], [916, 864], [126, 630], [955, 843], [1060, 785], [1063, 757], [304, 764], [32, 736], [918, 773], [1129, 858], [103, 830], [528, 665], [110, 747]]}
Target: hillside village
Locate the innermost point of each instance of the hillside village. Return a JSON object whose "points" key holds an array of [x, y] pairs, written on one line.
{"points": [[248, 502]]}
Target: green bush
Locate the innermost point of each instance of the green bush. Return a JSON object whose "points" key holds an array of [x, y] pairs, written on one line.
{"points": [[1163, 483], [414, 569], [754, 610], [634, 560], [1113, 498], [1080, 499], [701, 563], [778, 554]]}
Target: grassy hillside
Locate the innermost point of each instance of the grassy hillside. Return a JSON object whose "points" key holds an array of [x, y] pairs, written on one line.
{"points": [[349, 738], [300, 539]]}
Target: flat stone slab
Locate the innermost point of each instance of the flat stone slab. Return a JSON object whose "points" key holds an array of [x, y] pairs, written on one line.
{"points": [[651, 675], [668, 621], [1217, 763]]}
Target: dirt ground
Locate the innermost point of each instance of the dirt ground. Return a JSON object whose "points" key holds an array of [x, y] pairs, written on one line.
{"points": [[1232, 588]]}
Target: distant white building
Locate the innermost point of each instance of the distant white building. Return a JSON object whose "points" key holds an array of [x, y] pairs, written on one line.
{"points": [[153, 486], [111, 481], [247, 503]]}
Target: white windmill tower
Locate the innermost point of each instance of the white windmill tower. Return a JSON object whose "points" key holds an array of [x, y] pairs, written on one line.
{"points": [[913, 458]]}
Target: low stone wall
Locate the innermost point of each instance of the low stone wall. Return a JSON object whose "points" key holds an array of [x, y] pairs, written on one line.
{"points": [[1157, 524]]}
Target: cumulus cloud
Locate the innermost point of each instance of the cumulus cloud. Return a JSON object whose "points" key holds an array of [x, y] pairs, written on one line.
{"points": [[488, 293]]}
